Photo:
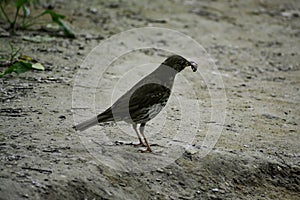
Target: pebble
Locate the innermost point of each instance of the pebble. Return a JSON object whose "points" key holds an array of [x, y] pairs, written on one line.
{"points": [[269, 116], [181, 183], [62, 117], [218, 190], [93, 10], [290, 14], [160, 170], [122, 184]]}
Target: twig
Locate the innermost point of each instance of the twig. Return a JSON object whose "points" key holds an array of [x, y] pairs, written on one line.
{"points": [[47, 171], [4, 13], [96, 142]]}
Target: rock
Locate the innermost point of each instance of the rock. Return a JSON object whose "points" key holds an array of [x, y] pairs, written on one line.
{"points": [[269, 116], [160, 170], [62, 117], [290, 14], [92, 10], [122, 184]]}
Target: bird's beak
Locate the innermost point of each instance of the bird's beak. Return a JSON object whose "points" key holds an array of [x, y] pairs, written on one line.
{"points": [[194, 66]]}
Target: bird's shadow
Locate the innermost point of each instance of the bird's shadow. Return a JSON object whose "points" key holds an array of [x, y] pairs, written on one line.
{"points": [[141, 148]]}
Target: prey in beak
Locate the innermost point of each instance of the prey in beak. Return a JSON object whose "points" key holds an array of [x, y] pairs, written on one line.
{"points": [[194, 66]]}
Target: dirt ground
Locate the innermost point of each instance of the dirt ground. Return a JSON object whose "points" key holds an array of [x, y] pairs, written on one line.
{"points": [[255, 45]]}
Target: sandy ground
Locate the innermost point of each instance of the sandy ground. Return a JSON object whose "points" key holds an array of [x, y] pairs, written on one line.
{"points": [[255, 45]]}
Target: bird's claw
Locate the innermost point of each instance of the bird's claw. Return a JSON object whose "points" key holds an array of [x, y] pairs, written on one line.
{"points": [[141, 144], [147, 150]]}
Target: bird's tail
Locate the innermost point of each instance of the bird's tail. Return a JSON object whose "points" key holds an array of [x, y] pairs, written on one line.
{"points": [[86, 124]]}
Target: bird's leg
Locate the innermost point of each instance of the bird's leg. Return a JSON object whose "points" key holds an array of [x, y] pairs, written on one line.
{"points": [[134, 126], [142, 128]]}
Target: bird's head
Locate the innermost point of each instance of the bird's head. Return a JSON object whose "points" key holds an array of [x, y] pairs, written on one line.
{"points": [[179, 63]]}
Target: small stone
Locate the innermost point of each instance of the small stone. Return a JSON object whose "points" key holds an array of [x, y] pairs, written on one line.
{"points": [[92, 10], [181, 183], [122, 184], [62, 117], [269, 116], [160, 170], [290, 14]]}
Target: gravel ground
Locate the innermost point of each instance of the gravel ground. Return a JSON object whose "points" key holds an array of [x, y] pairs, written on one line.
{"points": [[255, 45]]}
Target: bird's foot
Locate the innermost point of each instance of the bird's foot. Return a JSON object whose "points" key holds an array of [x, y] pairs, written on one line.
{"points": [[147, 150], [140, 144]]}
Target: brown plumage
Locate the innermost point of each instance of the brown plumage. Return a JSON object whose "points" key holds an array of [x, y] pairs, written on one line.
{"points": [[144, 100]]}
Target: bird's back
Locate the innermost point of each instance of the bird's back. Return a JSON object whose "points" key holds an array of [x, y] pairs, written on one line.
{"points": [[144, 100]]}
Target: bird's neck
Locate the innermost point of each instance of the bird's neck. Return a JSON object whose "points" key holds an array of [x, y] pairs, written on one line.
{"points": [[164, 75]]}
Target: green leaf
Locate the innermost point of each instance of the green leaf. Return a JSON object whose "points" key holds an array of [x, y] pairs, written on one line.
{"points": [[18, 67], [20, 3], [38, 66], [66, 29], [57, 18]]}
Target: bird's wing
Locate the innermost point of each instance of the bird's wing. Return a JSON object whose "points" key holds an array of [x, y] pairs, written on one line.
{"points": [[148, 95], [134, 102]]}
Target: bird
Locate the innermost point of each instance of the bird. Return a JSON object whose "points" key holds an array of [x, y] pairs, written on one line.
{"points": [[144, 100]]}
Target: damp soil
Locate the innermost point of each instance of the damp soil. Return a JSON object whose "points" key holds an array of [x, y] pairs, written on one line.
{"points": [[255, 45]]}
